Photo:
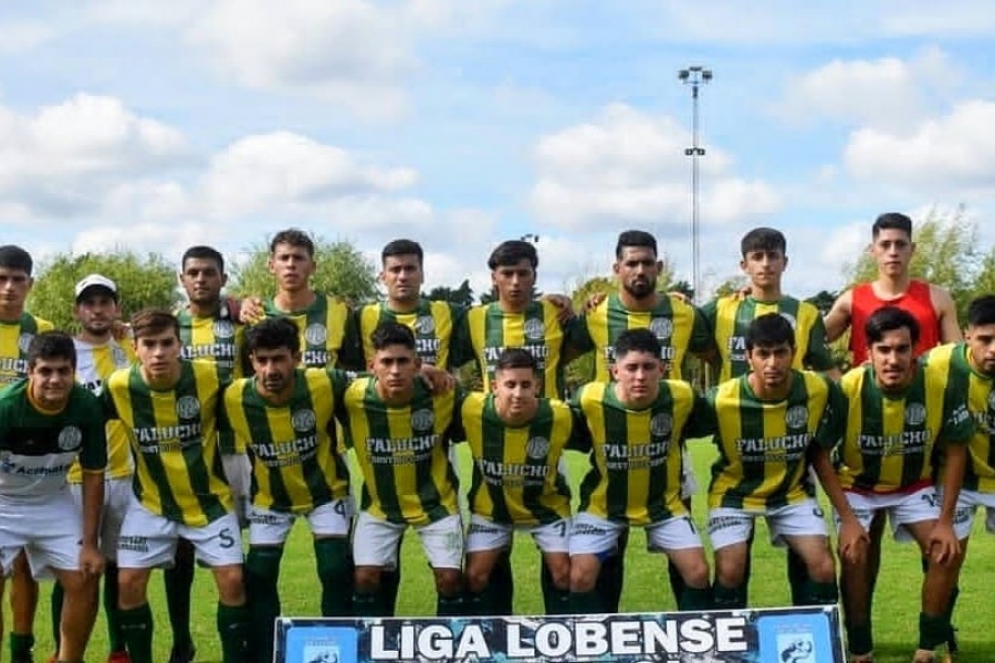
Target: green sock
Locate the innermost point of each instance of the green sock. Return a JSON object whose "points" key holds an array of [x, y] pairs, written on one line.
{"points": [[816, 593], [449, 606], [555, 601], [952, 639], [21, 645], [58, 596], [136, 627], [262, 573], [371, 605], [933, 631], [859, 639], [609, 583], [798, 579], [695, 598], [502, 586], [729, 598], [335, 570], [586, 603], [233, 627], [115, 639], [179, 579]]}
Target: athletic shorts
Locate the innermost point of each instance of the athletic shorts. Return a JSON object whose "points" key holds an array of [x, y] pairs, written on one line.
{"points": [[968, 502], [901, 508], [486, 534], [593, 535], [117, 496], [49, 532], [149, 540], [727, 526], [268, 528], [375, 542]]}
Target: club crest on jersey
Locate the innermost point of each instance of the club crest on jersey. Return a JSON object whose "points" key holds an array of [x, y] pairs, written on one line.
{"points": [[535, 330], [422, 420], [537, 447], [661, 425], [303, 420], [424, 325], [316, 334], [796, 416], [790, 318], [223, 329], [119, 355], [662, 327], [24, 340], [187, 407], [915, 414], [70, 438]]}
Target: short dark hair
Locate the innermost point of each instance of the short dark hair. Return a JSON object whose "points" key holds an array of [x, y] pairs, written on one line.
{"points": [[201, 252], [151, 321], [392, 333], [512, 252], [637, 340], [53, 344], [763, 239], [892, 221], [769, 330], [293, 237], [402, 247], [634, 238], [890, 318], [981, 311], [14, 257], [516, 358], [273, 334]]}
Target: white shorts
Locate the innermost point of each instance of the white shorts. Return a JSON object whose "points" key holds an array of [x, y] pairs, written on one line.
{"points": [[486, 534], [968, 502], [118, 494], [148, 540], [375, 542], [268, 528], [727, 526], [593, 535], [689, 482], [238, 471], [49, 532], [901, 509]]}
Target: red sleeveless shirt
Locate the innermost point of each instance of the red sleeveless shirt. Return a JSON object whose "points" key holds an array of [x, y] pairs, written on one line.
{"points": [[916, 300]]}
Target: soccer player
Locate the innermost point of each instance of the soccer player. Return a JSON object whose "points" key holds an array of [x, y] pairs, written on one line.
{"points": [[635, 426], [900, 413], [516, 439], [401, 433], [169, 406], [46, 423], [17, 328], [770, 426], [98, 354], [285, 415]]}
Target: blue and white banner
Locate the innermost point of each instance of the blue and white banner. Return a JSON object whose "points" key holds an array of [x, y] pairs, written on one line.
{"points": [[788, 635]]}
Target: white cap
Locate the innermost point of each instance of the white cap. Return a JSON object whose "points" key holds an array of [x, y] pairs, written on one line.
{"points": [[95, 281]]}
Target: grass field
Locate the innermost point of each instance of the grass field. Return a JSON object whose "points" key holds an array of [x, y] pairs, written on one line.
{"points": [[646, 589]]}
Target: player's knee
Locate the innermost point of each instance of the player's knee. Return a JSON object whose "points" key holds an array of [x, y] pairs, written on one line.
{"points": [[231, 588], [75, 583], [583, 573], [367, 579], [559, 570], [730, 570], [448, 582], [696, 573], [822, 569], [478, 576], [132, 585]]}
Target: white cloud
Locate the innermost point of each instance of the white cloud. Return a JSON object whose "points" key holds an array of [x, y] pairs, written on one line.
{"points": [[21, 36]]}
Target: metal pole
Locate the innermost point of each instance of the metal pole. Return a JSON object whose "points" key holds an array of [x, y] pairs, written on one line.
{"points": [[695, 77]]}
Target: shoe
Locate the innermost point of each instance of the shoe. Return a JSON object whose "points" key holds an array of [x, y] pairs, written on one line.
{"points": [[119, 657], [184, 655], [924, 656]]}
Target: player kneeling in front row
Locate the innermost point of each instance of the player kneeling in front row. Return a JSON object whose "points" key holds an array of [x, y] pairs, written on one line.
{"points": [[285, 415], [771, 425], [635, 426], [517, 439]]}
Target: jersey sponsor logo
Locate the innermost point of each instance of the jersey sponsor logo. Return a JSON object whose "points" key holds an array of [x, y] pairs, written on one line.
{"points": [[661, 425], [796, 416], [717, 523], [135, 543], [790, 318], [424, 325], [422, 420], [535, 330], [316, 334], [479, 528], [24, 340], [584, 529], [662, 327], [70, 438], [223, 329], [303, 420], [187, 407], [915, 414], [537, 447]]}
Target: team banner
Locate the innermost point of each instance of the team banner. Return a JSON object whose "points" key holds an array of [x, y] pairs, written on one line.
{"points": [[788, 635]]}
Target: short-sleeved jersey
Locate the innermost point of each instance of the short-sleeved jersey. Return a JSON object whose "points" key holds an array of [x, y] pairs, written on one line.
{"points": [[94, 364], [679, 326], [178, 474], [763, 445], [729, 318], [217, 339], [516, 480], [433, 324], [402, 452], [15, 337], [635, 474], [328, 337], [37, 448], [295, 465], [486, 331], [890, 438]]}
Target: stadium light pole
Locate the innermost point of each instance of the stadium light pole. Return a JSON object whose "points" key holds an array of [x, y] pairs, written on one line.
{"points": [[696, 77]]}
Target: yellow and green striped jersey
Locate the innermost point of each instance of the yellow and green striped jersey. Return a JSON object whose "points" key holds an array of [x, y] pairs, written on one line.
{"points": [[295, 465], [679, 326], [217, 339], [402, 452], [432, 322], [328, 338], [94, 364], [890, 438], [14, 340], [728, 319], [763, 445], [635, 474], [486, 331], [515, 468], [173, 432]]}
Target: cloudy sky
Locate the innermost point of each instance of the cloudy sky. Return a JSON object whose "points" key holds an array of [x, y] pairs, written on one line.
{"points": [[460, 123]]}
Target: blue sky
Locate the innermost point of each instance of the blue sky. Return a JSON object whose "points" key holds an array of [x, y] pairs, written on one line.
{"points": [[460, 123]]}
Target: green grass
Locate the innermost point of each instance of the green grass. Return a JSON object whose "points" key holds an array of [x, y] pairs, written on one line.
{"points": [[896, 605]]}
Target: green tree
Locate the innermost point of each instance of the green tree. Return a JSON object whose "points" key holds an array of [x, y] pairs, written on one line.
{"points": [[341, 270], [984, 282], [730, 286], [823, 300], [461, 296], [142, 281]]}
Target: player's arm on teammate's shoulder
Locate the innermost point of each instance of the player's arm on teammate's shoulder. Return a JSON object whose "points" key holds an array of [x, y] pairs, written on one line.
{"points": [[437, 380], [838, 319], [946, 313], [702, 422], [702, 344], [564, 307], [251, 310]]}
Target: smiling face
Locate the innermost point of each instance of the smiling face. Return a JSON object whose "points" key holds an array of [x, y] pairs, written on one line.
{"points": [[51, 381]]}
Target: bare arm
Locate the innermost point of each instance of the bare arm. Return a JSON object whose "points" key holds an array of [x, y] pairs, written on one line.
{"points": [[91, 561], [943, 541], [946, 313], [838, 319]]}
